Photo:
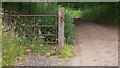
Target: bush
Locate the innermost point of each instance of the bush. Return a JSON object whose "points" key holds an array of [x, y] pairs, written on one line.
{"points": [[67, 51], [69, 28], [95, 11], [10, 50], [101, 12], [73, 13]]}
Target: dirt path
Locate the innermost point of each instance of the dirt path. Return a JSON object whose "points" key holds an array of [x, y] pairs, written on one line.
{"points": [[95, 45]]}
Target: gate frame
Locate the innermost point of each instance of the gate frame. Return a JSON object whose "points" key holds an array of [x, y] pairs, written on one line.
{"points": [[60, 25]]}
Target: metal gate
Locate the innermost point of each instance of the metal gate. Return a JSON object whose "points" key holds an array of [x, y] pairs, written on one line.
{"points": [[32, 29]]}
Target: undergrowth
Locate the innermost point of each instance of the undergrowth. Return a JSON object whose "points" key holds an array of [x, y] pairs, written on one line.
{"points": [[73, 13], [43, 50], [10, 50], [101, 13], [67, 51], [69, 28]]}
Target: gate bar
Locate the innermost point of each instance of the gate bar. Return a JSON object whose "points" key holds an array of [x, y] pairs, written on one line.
{"points": [[34, 15]]}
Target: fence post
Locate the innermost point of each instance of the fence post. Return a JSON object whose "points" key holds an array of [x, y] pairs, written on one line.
{"points": [[60, 29]]}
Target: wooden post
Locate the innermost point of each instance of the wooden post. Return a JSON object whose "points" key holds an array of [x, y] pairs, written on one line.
{"points": [[60, 29]]}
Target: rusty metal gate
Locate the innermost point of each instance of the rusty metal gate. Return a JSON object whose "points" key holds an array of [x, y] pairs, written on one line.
{"points": [[31, 29]]}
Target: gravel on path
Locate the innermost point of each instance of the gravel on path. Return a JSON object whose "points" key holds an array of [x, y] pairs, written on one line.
{"points": [[40, 61]]}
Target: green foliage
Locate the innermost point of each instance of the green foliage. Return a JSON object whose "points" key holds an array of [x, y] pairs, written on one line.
{"points": [[39, 9], [10, 6], [39, 48], [119, 12], [0, 55], [69, 28], [20, 50], [67, 51], [102, 12], [24, 39], [46, 50], [10, 50], [79, 5], [73, 13]]}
